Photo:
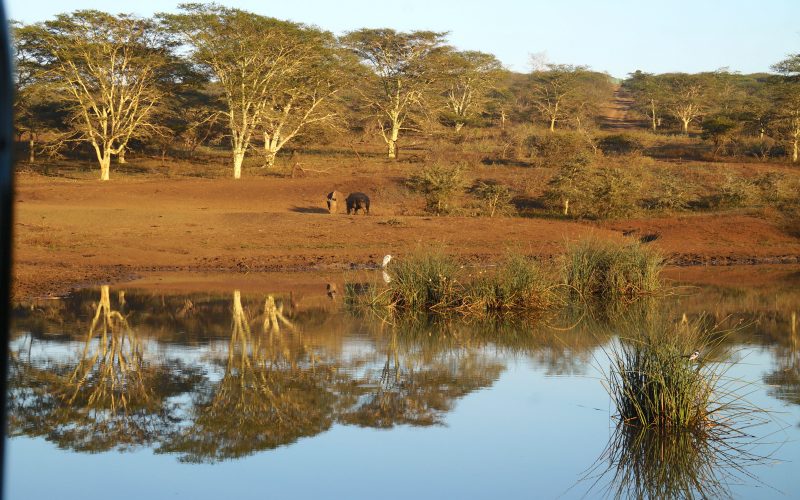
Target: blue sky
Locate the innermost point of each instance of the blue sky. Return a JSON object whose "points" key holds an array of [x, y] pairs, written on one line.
{"points": [[617, 36]]}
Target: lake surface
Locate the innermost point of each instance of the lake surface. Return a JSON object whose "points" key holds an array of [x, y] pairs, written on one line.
{"points": [[118, 392]]}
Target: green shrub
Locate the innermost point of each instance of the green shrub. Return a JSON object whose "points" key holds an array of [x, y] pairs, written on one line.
{"points": [[720, 130], [737, 192], [438, 184], [615, 193], [557, 149], [619, 144], [581, 189], [670, 193], [496, 197]]}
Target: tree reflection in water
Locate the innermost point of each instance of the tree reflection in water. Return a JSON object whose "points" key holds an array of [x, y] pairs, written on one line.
{"points": [[418, 386], [111, 399], [271, 394], [285, 372], [785, 379]]}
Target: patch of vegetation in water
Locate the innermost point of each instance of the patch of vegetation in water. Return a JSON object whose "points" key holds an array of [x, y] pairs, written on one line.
{"points": [[431, 281]]}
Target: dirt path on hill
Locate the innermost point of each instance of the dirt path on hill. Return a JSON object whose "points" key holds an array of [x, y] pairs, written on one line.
{"points": [[617, 113]]}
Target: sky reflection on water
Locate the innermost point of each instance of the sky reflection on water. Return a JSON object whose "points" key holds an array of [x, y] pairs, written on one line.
{"points": [[229, 402]]}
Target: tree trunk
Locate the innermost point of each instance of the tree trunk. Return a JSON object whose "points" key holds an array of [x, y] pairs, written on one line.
{"points": [[238, 159], [552, 124], [269, 158], [121, 157], [502, 120], [105, 165], [391, 142], [566, 207], [686, 125], [270, 150], [32, 150], [794, 149], [459, 126]]}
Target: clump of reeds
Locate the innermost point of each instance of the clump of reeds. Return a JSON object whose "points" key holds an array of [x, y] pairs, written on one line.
{"points": [[425, 280], [430, 281], [684, 428], [517, 285], [612, 271], [660, 378]]}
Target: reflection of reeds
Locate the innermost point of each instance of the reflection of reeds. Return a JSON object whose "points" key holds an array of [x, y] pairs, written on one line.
{"points": [[646, 463], [683, 426]]}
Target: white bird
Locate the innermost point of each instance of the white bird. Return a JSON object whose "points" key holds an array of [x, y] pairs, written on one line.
{"points": [[694, 355], [386, 259]]}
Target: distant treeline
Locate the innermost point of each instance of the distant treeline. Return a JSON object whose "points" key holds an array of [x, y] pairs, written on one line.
{"points": [[212, 75]]}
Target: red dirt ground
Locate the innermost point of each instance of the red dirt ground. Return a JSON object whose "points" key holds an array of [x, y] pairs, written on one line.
{"points": [[77, 232]]}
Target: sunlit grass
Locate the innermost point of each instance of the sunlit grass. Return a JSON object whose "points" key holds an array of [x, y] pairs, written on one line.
{"points": [[612, 271], [430, 281]]}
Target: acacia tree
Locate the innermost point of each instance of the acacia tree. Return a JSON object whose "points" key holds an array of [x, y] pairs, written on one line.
{"points": [[468, 78], [786, 99], [274, 74], [648, 96], [36, 105], [756, 109], [105, 69], [556, 91], [401, 74], [307, 97], [686, 97]]}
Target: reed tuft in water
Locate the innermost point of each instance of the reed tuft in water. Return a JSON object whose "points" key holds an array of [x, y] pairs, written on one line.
{"points": [[517, 285], [612, 271], [430, 281], [668, 378]]}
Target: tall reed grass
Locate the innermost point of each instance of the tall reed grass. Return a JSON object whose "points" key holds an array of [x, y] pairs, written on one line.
{"points": [[429, 280], [672, 377], [612, 271]]}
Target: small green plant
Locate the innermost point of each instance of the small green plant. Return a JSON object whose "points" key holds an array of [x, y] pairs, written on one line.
{"points": [[737, 192], [438, 184], [496, 197], [612, 271]]}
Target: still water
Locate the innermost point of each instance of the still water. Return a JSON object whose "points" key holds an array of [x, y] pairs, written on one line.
{"points": [[133, 393]]}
